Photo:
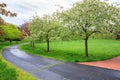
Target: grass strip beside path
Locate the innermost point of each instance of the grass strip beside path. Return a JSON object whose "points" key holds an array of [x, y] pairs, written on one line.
{"points": [[73, 51], [11, 72]]}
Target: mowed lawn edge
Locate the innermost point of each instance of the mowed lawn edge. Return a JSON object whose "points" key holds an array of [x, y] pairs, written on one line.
{"points": [[73, 51], [21, 75]]}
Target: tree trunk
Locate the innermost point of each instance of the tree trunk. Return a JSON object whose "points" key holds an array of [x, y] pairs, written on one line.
{"points": [[10, 42], [48, 45], [118, 37], [33, 44], [86, 47]]}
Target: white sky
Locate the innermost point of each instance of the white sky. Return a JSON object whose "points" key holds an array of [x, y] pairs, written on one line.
{"points": [[27, 8]]}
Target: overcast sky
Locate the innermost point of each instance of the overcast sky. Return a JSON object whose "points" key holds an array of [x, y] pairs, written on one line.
{"points": [[27, 8]]}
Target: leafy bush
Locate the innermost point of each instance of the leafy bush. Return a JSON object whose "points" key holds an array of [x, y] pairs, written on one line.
{"points": [[10, 31]]}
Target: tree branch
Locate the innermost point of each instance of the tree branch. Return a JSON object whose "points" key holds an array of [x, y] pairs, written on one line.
{"points": [[85, 30], [92, 33]]}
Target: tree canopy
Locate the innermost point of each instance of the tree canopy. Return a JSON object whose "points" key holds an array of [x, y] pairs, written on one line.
{"points": [[44, 28], [91, 16], [7, 31], [83, 20], [4, 11], [10, 31]]}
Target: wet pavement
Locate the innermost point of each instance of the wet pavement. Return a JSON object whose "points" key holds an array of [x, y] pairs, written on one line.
{"points": [[48, 69]]}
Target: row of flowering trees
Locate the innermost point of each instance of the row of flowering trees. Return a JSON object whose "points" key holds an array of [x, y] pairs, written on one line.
{"points": [[85, 19]]}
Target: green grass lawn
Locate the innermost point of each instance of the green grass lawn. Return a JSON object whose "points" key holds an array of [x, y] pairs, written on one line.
{"points": [[73, 51], [9, 71]]}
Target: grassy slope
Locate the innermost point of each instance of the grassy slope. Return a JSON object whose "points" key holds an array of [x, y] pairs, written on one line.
{"points": [[21, 75], [73, 51]]}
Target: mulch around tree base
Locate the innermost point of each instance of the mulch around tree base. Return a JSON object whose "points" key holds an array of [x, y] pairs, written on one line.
{"points": [[113, 63]]}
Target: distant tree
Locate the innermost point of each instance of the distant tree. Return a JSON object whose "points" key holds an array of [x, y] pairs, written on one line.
{"points": [[11, 32], [1, 30], [2, 33], [89, 17], [5, 12], [44, 28], [24, 28], [35, 32]]}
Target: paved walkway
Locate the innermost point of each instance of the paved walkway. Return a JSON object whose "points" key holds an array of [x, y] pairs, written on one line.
{"points": [[110, 64], [47, 69]]}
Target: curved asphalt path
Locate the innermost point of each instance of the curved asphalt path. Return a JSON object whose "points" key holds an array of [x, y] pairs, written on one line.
{"points": [[47, 69]]}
